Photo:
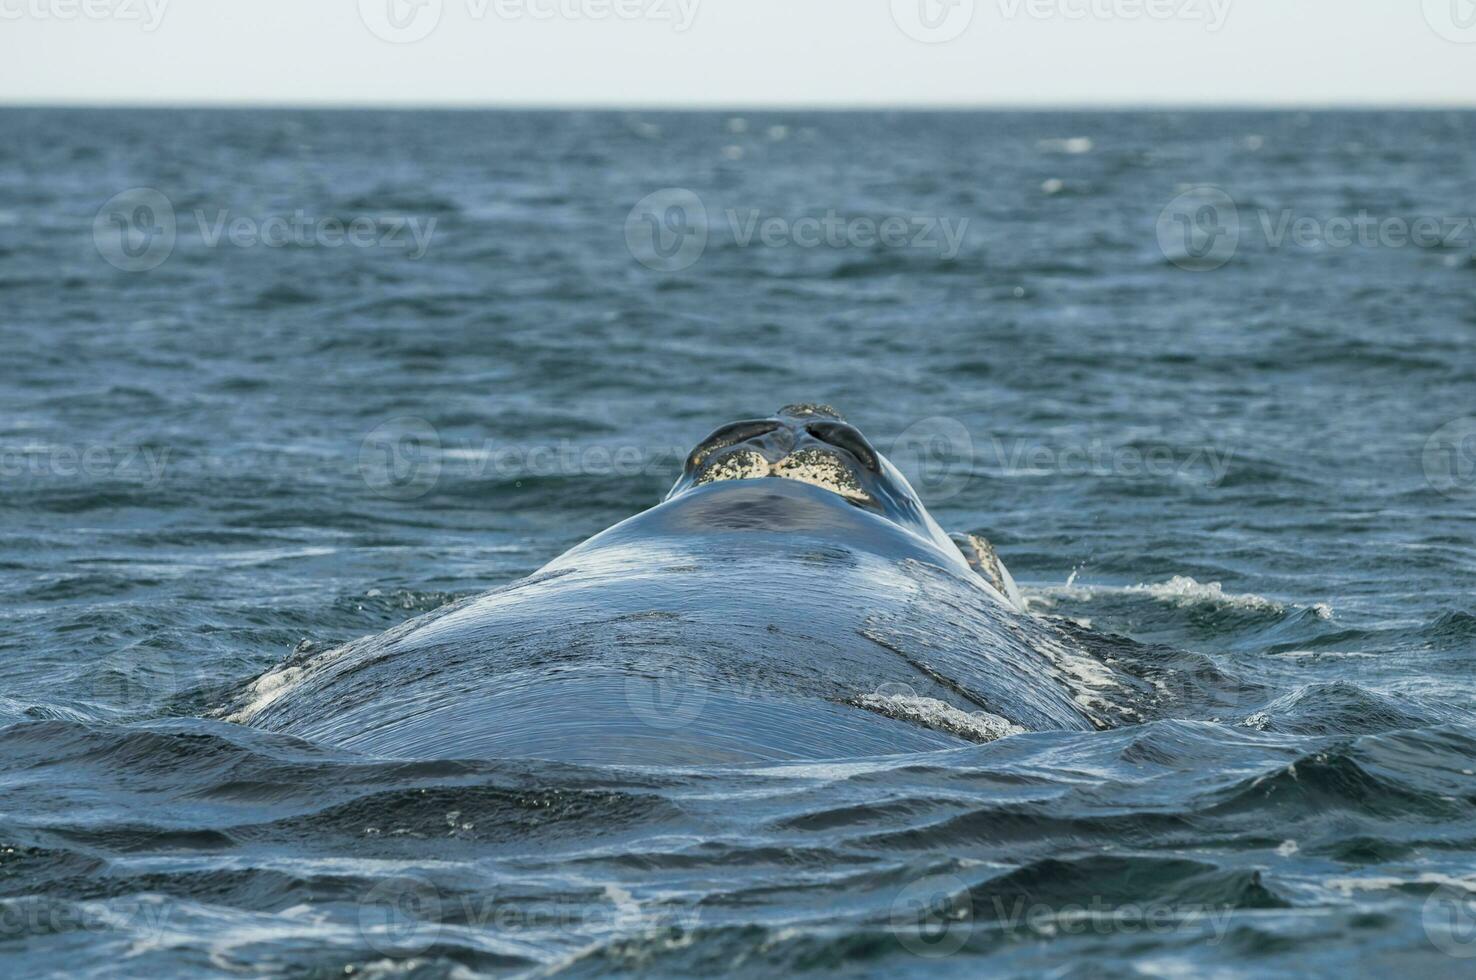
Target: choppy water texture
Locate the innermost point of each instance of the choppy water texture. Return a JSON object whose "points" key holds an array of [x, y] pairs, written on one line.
{"points": [[249, 449]]}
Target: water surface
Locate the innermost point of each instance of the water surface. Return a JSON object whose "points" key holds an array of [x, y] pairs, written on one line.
{"points": [[1240, 460]]}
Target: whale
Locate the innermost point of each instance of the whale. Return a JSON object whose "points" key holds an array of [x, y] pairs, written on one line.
{"points": [[790, 599]]}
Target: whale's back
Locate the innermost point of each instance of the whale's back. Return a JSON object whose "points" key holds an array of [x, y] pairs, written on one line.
{"points": [[658, 654]]}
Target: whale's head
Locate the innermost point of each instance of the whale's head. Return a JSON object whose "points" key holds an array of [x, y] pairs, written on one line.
{"points": [[810, 444]]}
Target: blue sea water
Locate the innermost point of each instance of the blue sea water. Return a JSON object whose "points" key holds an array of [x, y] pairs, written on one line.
{"points": [[273, 380]]}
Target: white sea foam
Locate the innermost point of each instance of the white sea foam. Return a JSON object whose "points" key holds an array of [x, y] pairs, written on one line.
{"points": [[1181, 590], [1074, 146], [1348, 886]]}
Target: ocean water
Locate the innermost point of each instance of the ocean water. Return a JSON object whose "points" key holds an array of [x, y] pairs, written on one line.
{"points": [[274, 380]]}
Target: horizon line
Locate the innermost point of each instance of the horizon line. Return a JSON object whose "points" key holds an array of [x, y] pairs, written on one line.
{"points": [[718, 107]]}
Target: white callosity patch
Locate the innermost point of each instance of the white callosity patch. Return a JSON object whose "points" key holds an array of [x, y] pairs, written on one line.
{"points": [[266, 689], [745, 464], [821, 469], [986, 563], [813, 466], [980, 726]]}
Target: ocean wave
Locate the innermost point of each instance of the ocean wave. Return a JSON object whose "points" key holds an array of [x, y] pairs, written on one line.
{"points": [[1180, 590], [1046, 832], [1338, 779], [1338, 708]]}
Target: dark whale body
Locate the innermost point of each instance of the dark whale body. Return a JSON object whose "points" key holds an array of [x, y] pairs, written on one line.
{"points": [[743, 620]]}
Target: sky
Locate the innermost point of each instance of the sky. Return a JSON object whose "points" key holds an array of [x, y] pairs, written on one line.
{"points": [[731, 53]]}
